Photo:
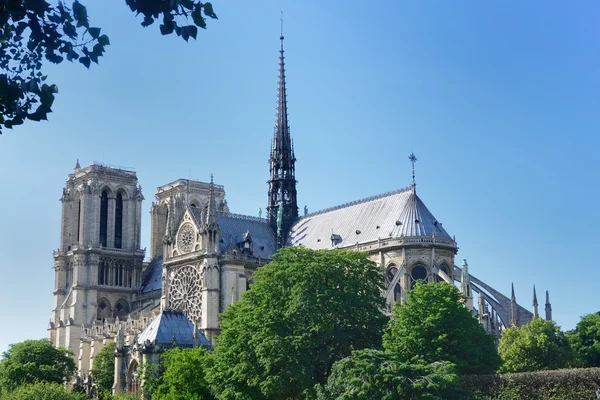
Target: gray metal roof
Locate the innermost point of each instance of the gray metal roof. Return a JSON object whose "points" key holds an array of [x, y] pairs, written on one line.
{"points": [[171, 324], [234, 226], [152, 278], [394, 214]]}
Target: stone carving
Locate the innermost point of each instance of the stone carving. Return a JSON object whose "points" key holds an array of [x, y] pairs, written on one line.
{"points": [[185, 292]]}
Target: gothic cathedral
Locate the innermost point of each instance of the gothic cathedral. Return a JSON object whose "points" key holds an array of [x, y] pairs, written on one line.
{"points": [[202, 256]]}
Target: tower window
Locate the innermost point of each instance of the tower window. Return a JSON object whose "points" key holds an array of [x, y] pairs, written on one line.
{"points": [[103, 218], [119, 221]]}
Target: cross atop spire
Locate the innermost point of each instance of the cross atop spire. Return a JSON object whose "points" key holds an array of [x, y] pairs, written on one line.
{"points": [[413, 160], [281, 36]]}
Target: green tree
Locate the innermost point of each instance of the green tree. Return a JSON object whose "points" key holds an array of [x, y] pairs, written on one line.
{"points": [[585, 341], [183, 376], [35, 360], [103, 373], [373, 374], [434, 325], [42, 391], [305, 310], [539, 345], [34, 31]]}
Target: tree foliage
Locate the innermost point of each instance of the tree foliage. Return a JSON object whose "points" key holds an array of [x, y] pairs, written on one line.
{"points": [[103, 372], [35, 361], [373, 374], [585, 341], [539, 345], [42, 391], [35, 31], [305, 310], [433, 325], [184, 375]]}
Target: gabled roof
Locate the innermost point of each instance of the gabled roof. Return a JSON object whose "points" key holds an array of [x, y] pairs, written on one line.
{"points": [[235, 227], [394, 214], [171, 325]]}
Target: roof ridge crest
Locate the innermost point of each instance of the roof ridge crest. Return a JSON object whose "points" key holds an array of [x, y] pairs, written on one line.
{"points": [[355, 202]]}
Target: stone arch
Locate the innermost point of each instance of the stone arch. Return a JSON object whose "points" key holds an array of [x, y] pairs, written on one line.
{"points": [[121, 308], [103, 309], [123, 192]]}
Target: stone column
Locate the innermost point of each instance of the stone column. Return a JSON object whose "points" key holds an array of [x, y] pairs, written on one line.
{"points": [[110, 235]]}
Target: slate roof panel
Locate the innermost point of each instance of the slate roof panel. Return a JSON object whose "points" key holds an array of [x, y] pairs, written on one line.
{"points": [[394, 214], [171, 323], [152, 277]]}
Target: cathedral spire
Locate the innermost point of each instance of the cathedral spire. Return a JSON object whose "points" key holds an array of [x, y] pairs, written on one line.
{"points": [[282, 181]]}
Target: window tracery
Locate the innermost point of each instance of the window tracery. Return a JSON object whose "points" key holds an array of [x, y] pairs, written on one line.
{"points": [[185, 295], [418, 273], [186, 238]]}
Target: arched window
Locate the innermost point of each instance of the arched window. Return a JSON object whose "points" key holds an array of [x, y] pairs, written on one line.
{"points": [[102, 273], [418, 273], [103, 218], [389, 277], [119, 221], [133, 380]]}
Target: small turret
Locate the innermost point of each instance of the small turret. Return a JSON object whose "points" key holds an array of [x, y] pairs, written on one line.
{"points": [[535, 304], [77, 166], [465, 285], [211, 223], [514, 318], [548, 307]]}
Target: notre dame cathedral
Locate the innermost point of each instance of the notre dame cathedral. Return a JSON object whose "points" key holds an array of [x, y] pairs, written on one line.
{"points": [[202, 256]]}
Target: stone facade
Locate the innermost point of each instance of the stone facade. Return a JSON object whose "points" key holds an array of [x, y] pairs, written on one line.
{"points": [[98, 267]]}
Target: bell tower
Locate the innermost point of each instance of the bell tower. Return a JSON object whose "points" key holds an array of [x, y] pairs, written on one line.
{"points": [[98, 266], [282, 209]]}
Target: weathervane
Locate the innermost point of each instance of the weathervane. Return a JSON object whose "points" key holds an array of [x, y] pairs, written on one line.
{"points": [[413, 160]]}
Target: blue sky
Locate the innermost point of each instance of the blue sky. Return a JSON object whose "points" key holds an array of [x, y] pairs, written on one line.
{"points": [[499, 101]]}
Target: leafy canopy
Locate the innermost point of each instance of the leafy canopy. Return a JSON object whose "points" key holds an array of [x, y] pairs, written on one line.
{"points": [[35, 360], [373, 374], [183, 376], [539, 345], [305, 310], [585, 340], [103, 373], [35, 31], [42, 391], [434, 325]]}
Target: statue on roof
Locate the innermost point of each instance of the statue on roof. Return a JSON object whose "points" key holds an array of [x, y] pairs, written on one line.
{"points": [[305, 210], [259, 212]]}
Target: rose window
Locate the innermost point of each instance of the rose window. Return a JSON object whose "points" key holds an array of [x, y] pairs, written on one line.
{"points": [[185, 292], [186, 238]]}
